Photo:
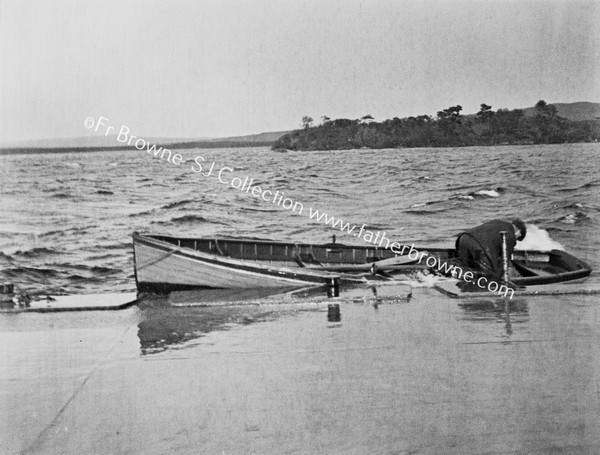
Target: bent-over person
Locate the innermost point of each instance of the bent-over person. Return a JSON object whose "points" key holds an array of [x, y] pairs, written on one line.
{"points": [[480, 249]]}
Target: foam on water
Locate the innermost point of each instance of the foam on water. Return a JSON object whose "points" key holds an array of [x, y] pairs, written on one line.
{"points": [[538, 239]]}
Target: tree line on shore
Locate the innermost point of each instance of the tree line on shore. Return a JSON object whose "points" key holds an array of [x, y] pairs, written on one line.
{"points": [[448, 129]]}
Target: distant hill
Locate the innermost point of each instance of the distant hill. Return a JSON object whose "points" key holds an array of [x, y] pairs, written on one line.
{"points": [[91, 143], [88, 142], [577, 112], [261, 137], [543, 124]]}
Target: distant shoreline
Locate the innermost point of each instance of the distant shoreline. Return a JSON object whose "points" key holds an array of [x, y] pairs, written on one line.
{"points": [[432, 146], [57, 150], [173, 146]]}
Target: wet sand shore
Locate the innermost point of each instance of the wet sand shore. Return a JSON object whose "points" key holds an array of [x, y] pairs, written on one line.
{"points": [[426, 376]]}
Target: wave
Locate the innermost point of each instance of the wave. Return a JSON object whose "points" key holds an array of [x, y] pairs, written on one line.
{"points": [[484, 193], [4, 257], [425, 211], [176, 204], [458, 187], [587, 185], [116, 246], [250, 209], [50, 233], [105, 256], [153, 184], [424, 204], [104, 192], [188, 219], [591, 184], [579, 206], [575, 205], [488, 193], [145, 212], [38, 273], [62, 195], [323, 190], [73, 230], [375, 227], [76, 278], [573, 218], [36, 252], [557, 229], [95, 269], [412, 181]]}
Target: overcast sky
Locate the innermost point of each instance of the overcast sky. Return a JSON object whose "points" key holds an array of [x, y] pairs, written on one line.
{"points": [[220, 68]]}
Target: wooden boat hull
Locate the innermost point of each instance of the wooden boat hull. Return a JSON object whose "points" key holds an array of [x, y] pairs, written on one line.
{"points": [[166, 263], [162, 267]]}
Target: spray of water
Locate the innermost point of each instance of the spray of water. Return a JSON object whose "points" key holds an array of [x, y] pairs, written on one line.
{"points": [[538, 239]]}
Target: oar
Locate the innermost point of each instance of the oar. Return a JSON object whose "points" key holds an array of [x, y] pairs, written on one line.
{"points": [[395, 263]]}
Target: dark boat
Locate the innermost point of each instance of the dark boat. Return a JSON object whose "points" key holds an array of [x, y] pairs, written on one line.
{"points": [[166, 263]]}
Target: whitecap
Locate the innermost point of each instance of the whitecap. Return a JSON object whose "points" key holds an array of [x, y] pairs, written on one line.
{"points": [[538, 239], [487, 193]]}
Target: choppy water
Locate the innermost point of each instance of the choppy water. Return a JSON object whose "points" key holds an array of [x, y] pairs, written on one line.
{"points": [[67, 219]]}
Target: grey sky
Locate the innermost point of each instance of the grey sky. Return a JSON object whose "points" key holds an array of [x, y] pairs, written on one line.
{"points": [[218, 68]]}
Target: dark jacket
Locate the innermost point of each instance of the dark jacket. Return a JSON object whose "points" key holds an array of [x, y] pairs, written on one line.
{"points": [[487, 239]]}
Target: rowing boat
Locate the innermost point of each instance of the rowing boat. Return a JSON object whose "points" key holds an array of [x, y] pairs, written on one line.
{"points": [[166, 263]]}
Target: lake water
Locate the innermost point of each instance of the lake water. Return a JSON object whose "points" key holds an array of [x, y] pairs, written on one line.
{"points": [[395, 375], [68, 218]]}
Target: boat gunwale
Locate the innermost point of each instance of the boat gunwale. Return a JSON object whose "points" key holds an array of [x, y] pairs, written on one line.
{"points": [[314, 275], [375, 247], [300, 274]]}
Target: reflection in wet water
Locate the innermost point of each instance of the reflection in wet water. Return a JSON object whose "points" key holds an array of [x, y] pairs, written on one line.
{"points": [[173, 320], [170, 321], [333, 287], [507, 311], [333, 312], [166, 326]]}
